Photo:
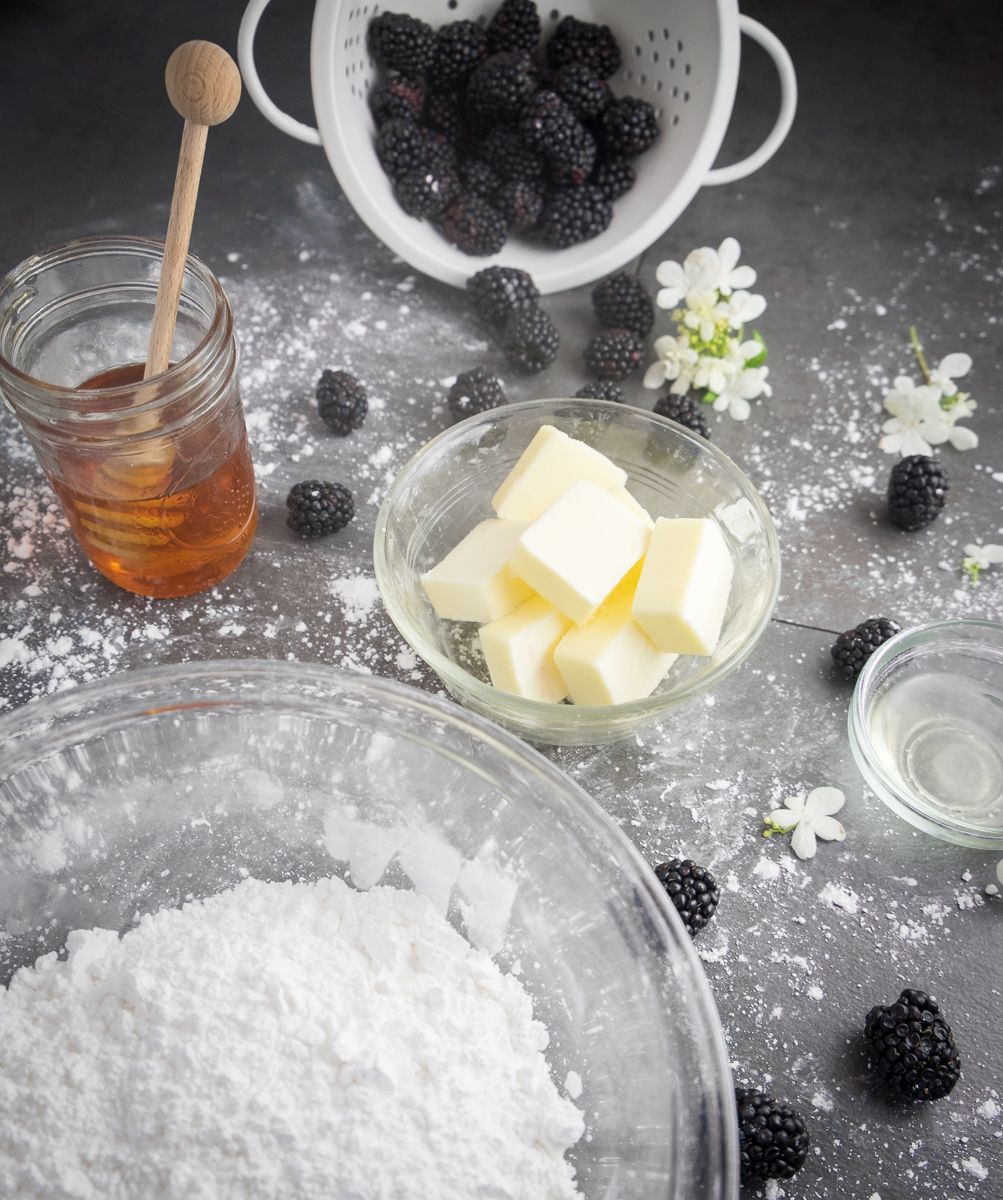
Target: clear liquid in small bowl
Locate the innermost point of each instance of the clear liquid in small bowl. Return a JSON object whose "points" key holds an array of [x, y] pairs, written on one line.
{"points": [[940, 732]]}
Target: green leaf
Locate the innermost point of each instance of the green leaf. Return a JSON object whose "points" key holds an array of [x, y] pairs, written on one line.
{"points": [[761, 356]]}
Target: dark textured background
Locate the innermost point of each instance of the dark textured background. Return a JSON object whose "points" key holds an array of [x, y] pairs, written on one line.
{"points": [[886, 196]]}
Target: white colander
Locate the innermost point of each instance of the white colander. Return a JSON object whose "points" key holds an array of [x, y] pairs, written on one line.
{"points": [[680, 55]]}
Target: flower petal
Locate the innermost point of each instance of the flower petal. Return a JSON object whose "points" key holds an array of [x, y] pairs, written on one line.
{"points": [[962, 438], [828, 828], [796, 803], [742, 277], [954, 366], [803, 841], [670, 274], [994, 554], [783, 818], [669, 297], [739, 408], [729, 252], [824, 801], [655, 375], [902, 383]]}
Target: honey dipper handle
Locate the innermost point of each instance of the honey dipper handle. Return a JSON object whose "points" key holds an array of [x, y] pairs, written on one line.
{"points": [[204, 86]]}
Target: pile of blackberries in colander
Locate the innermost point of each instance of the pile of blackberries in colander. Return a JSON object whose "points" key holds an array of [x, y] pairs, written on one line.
{"points": [[487, 134]]}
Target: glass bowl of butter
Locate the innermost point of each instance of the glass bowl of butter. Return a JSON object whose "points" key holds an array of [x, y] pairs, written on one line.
{"points": [[574, 569]]}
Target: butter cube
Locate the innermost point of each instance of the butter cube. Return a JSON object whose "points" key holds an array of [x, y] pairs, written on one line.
{"points": [[611, 659], [580, 549], [549, 465], [683, 591], [472, 583], [519, 649], [625, 497]]}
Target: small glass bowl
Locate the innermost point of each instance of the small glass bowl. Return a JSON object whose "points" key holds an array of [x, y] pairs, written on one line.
{"points": [[926, 729], [446, 489]]}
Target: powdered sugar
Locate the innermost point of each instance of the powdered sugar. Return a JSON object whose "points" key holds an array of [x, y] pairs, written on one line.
{"points": [[282, 1040]]}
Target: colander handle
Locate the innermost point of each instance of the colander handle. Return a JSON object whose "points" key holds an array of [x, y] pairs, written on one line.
{"points": [[775, 48], [245, 56]]}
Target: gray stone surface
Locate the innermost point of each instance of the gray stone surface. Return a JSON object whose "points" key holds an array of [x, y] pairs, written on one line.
{"points": [[881, 211]]}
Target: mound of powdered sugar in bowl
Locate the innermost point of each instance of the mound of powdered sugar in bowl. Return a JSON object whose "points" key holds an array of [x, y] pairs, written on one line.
{"points": [[280, 1041]]}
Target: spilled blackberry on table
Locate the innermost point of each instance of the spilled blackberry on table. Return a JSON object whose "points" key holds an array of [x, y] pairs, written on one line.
{"points": [[341, 401], [620, 302], [852, 649], [530, 339], [685, 411], [496, 291], [317, 508], [600, 390], [475, 392], [917, 491], [613, 354], [912, 1046], [773, 1140], [692, 889]]}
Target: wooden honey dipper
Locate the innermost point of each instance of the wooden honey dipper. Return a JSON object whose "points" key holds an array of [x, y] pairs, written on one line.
{"points": [[203, 84]]}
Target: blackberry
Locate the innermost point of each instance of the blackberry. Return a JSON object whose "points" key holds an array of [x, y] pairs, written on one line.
{"points": [[520, 204], [509, 156], [613, 354], [478, 179], [437, 150], [614, 177], [515, 26], [852, 649], [600, 391], [341, 401], [582, 90], [622, 303], [691, 889], [317, 508], [475, 392], [396, 97], [400, 146], [917, 490], [443, 114], [628, 127], [913, 1047], [550, 128], [573, 215], [427, 191], [496, 291], [473, 226], [772, 1139], [579, 41], [530, 339], [684, 410], [402, 43], [501, 85], [460, 48]]}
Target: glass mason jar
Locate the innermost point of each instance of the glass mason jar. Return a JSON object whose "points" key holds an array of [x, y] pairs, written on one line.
{"points": [[155, 476]]}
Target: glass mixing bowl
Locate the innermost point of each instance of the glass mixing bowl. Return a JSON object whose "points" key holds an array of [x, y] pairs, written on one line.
{"points": [[155, 787], [446, 489], [926, 729]]}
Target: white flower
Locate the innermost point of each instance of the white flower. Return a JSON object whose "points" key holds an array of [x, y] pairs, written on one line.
{"points": [[809, 818], [978, 558], [701, 312], [718, 269], [741, 388], [984, 556], [915, 412], [675, 361], [947, 370], [942, 429], [739, 308]]}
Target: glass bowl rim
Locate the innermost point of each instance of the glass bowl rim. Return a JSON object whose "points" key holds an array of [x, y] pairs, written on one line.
{"points": [[888, 788], [569, 715]]}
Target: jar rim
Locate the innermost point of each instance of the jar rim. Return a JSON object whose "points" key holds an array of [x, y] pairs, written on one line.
{"points": [[168, 382]]}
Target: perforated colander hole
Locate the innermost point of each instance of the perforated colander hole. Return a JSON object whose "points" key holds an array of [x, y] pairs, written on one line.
{"points": [[658, 85], [675, 119], [675, 92], [642, 80], [451, 4], [654, 56], [679, 47], [672, 64], [651, 35], [686, 96], [686, 69], [665, 34], [555, 14], [637, 51], [628, 74], [658, 114]]}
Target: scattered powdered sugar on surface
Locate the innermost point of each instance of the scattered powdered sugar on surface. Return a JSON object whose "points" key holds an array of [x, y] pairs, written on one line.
{"points": [[284, 1040]]}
